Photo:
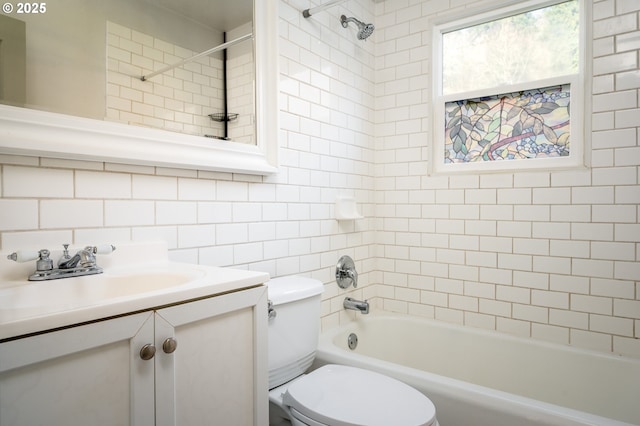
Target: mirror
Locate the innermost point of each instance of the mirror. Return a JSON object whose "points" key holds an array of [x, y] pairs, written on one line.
{"points": [[72, 85]]}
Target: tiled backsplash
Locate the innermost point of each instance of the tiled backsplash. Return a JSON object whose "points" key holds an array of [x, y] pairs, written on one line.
{"points": [[550, 255]]}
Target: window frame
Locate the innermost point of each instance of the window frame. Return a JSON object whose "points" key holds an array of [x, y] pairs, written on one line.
{"points": [[491, 12]]}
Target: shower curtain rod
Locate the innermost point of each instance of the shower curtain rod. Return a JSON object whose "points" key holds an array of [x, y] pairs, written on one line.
{"points": [[308, 12], [194, 57]]}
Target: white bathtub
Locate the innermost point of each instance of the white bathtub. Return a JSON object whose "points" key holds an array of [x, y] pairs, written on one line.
{"points": [[481, 378]]}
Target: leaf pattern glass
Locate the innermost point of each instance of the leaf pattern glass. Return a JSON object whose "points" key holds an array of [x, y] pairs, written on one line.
{"points": [[513, 126]]}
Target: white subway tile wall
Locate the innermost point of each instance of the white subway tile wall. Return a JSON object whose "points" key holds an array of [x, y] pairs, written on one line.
{"points": [[180, 99], [548, 255]]}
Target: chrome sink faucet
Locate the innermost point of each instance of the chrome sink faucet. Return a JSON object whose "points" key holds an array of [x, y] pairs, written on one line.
{"points": [[82, 263], [356, 305], [85, 258]]}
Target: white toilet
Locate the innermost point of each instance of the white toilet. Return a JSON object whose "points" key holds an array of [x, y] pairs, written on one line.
{"points": [[332, 395]]}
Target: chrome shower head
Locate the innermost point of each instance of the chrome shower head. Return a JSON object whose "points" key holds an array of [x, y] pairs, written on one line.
{"points": [[364, 30]]}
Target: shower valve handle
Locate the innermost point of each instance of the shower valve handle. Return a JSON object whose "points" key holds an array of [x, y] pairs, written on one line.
{"points": [[346, 273]]}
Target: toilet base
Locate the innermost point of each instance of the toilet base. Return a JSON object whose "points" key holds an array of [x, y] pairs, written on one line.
{"points": [[279, 414]]}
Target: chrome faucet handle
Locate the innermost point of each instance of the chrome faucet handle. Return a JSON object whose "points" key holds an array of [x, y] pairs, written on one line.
{"points": [[87, 258], [353, 274], [346, 273], [43, 261], [65, 255], [88, 254]]}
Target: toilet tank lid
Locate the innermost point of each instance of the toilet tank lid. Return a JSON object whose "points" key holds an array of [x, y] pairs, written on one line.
{"points": [[288, 289]]}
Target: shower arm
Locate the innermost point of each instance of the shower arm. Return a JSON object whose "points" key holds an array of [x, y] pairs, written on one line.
{"points": [[312, 11], [199, 55]]}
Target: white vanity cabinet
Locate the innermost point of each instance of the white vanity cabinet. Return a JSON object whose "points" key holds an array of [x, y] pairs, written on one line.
{"points": [[95, 374]]}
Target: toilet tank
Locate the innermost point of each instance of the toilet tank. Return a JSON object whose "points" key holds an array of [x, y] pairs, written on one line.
{"points": [[294, 329]]}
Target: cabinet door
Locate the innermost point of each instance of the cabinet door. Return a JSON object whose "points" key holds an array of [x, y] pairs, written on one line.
{"points": [[89, 374], [218, 372]]}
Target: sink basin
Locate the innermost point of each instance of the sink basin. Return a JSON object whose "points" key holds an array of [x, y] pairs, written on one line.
{"points": [[134, 282], [138, 277], [69, 293]]}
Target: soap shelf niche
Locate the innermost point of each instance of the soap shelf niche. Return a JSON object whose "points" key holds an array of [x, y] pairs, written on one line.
{"points": [[346, 208]]}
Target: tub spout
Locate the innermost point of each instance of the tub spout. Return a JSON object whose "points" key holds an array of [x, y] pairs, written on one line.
{"points": [[356, 305]]}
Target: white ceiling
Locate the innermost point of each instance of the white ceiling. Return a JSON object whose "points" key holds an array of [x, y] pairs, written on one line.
{"points": [[223, 15]]}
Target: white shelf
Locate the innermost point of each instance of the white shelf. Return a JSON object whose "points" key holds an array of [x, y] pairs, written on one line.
{"points": [[346, 208]]}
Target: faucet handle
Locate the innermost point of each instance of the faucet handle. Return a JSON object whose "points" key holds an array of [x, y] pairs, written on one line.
{"points": [[353, 274], [346, 273], [25, 255], [65, 255], [43, 261], [104, 249]]}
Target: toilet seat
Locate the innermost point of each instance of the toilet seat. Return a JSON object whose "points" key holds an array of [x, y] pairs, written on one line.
{"points": [[339, 395]]}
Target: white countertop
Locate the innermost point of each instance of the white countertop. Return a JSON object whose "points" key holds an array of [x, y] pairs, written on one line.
{"points": [[135, 278]]}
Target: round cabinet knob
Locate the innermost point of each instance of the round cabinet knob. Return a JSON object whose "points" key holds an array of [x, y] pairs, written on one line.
{"points": [[169, 345], [147, 352]]}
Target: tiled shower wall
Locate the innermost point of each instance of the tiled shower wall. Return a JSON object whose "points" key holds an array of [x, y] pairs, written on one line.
{"points": [[551, 255], [180, 99]]}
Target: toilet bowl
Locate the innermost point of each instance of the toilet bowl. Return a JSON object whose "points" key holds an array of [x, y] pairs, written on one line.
{"points": [[332, 395], [338, 395]]}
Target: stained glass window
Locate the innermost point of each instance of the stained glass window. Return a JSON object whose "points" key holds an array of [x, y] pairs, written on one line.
{"points": [[508, 85], [512, 126]]}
